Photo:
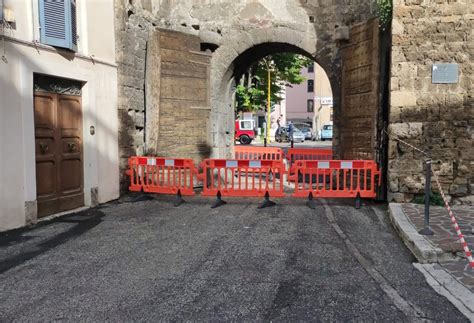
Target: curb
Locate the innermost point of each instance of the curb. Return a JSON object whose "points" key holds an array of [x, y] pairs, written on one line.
{"points": [[421, 248], [444, 284]]}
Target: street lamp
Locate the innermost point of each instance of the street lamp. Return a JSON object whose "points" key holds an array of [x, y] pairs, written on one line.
{"points": [[268, 101]]}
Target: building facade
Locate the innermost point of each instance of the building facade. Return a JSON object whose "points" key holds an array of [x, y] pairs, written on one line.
{"points": [[311, 101], [58, 100]]}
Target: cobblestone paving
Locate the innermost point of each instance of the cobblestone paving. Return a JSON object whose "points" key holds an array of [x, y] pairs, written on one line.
{"points": [[445, 236]]}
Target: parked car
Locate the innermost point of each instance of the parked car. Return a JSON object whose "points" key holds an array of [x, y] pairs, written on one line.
{"points": [[326, 132], [282, 136], [245, 131], [308, 134]]}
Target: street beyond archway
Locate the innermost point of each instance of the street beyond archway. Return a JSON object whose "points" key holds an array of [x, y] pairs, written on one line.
{"points": [[149, 261]]}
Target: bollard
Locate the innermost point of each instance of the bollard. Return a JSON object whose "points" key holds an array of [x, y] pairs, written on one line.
{"points": [[426, 231], [265, 142], [292, 143]]}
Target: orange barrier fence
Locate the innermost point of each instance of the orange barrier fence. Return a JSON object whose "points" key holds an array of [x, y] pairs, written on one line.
{"points": [[251, 178], [258, 153], [295, 154], [162, 175], [255, 178], [336, 178]]}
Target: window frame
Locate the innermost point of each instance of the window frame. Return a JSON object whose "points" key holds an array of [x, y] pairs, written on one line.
{"points": [[308, 105], [310, 88]]}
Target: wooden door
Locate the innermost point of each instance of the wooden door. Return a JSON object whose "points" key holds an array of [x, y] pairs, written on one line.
{"points": [[59, 161], [360, 92]]}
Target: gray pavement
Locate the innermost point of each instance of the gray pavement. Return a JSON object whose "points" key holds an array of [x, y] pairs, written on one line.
{"points": [[442, 258], [148, 261]]}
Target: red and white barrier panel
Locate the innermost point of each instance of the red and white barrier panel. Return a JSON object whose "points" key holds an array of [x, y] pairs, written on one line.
{"points": [[336, 178], [162, 175], [295, 154], [250, 178], [456, 226], [258, 153]]}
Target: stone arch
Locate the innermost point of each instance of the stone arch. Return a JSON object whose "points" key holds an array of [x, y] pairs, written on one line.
{"points": [[252, 43]]}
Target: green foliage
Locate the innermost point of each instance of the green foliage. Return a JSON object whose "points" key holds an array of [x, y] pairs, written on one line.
{"points": [[284, 68], [435, 199], [385, 11]]}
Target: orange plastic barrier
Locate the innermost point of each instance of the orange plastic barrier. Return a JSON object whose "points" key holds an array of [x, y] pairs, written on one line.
{"points": [[162, 175], [336, 178], [250, 178], [258, 153], [295, 154]]}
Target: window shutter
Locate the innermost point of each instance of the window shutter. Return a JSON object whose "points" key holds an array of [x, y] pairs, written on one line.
{"points": [[73, 26], [58, 23]]}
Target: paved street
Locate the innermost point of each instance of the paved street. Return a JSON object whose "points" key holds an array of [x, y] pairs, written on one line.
{"points": [[149, 261]]}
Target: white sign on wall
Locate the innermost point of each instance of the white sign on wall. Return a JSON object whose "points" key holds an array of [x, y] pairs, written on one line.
{"points": [[326, 100]]}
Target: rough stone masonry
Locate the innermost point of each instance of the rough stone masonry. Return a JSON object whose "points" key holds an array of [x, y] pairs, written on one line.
{"points": [[434, 116], [438, 118]]}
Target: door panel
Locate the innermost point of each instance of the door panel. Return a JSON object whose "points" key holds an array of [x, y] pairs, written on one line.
{"points": [[360, 103], [70, 131], [46, 183], [71, 176], [46, 165], [59, 164]]}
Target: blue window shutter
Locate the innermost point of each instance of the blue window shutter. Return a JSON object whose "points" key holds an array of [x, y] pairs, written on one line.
{"points": [[73, 25], [57, 23]]}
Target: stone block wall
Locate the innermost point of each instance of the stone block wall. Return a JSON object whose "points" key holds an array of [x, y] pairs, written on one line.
{"points": [[438, 118], [132, 28]]}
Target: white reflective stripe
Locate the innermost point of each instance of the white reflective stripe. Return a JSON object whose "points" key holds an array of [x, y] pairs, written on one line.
{"points": [[151, 161], [169, 162], [255, 164], [323, 164], [231, 163], [346, 165]]}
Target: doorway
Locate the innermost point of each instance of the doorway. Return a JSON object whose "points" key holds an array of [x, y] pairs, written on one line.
{"points": [[58, 145]]}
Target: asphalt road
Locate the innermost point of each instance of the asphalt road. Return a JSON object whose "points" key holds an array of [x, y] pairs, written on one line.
{"points": [[148, 261]]}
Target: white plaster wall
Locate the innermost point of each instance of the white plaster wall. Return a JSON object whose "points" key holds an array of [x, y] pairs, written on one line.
{"points": [[17, 159], [99, 29], [12, 197]]}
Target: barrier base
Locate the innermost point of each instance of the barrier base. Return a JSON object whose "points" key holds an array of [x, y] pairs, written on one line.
{"points": [[267, 202], [426, 232], [179, 199], [358, 202], [218, 202], [311, 203]]}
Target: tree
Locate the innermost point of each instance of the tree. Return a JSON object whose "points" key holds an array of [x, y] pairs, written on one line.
{"points": [[285, 68]]}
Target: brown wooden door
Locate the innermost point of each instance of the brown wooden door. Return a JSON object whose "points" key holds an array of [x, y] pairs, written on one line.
{"points": [[360, 96], [59, 163]]}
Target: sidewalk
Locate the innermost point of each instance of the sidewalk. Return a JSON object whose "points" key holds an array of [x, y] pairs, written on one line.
{"points": [[447, 268]]}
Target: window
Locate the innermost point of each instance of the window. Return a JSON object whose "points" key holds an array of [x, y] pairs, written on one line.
{"points": [[310, 105], [311, 68], [246, 125], [58, 23], [310, 85]]}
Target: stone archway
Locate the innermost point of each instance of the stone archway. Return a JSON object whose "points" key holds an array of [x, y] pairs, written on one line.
{"points": [[224, 30], [247, 48]]}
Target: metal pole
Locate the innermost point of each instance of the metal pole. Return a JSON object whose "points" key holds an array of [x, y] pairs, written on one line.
{"points": [[426, 230], [268, 104]]}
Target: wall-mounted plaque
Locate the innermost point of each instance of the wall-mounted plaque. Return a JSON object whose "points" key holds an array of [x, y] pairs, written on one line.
{"points": [[445, 73]]}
